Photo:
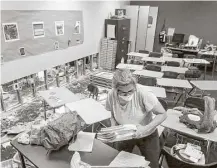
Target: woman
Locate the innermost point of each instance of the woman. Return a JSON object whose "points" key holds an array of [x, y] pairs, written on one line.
{"points": [[131, 104]]}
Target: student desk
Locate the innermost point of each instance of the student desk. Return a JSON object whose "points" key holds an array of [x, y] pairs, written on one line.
{"points": [[57, 97], [172, 122], [129, 66], [136, 54], [179, 70], [153, 59], [204, 85], [180, 60], [157, 91], [187, 51], [148, 73], [210, 53], [198, 61], [176, 83], [102, 155]]}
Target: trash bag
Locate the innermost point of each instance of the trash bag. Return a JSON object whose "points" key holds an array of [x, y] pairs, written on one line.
{"points": [[60, 131]]}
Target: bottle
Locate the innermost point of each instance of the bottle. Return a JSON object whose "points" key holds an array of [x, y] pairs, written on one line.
{"points": [[122, 60]]}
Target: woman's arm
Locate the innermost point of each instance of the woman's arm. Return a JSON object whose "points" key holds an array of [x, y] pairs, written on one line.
{"points": [[159, 111]]}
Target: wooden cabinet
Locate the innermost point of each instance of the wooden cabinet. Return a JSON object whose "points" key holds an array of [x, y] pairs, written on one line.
{"points": [[122, 34]]}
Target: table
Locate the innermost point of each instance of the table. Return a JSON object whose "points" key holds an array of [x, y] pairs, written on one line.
{"points": [[129, 66], [136, 54], [180, 60], [184, 50], [61, 159], [178, 83], [148, 73], [198, 61], [205, 85], [57, 97], [212, 53], [153, 59], [157, 91], [180, 70], [172, 122]]}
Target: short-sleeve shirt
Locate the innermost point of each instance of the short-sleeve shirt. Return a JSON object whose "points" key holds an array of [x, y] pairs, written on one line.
{"points": [[137, 111]]}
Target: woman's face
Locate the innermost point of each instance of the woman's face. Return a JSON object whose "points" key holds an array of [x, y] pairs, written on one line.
{"points": [[126, 90]]}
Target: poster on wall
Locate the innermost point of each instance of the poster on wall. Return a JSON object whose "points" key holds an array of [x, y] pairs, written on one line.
{"points": [[59, 28], [22, 51], [38, 29], [77, 27], [10, 31]]}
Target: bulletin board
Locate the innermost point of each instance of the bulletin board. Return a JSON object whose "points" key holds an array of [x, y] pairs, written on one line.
{"points": [[30, 33]]}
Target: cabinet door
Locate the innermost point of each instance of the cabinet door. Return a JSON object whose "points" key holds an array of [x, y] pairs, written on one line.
{"points": [[132, 14], [123, 29], [142, 28], [153, 13]]}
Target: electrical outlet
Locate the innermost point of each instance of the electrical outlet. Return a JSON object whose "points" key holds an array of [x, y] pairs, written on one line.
{"points": [[17, 86]]}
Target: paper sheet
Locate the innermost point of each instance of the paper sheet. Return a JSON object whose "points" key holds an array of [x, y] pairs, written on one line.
{"points": [[125, 159], [84, 142], [170, 31], [110, 31]]}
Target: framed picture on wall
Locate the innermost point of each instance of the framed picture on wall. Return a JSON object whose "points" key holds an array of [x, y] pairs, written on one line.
{"points": [[77, 28], [120, 12], [10, 31], [38, 29], [59, 28]]}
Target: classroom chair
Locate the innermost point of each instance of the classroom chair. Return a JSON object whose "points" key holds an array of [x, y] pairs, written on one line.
{"points": [[147, 81], [193, 74], [195, 102], [93, 90], [189, 56], [144, 51], [153, 67], [163, 103], [155, 54], [170, 74], [173, 63]]}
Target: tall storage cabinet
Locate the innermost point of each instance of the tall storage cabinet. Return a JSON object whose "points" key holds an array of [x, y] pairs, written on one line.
{"points": [[121, 34]]}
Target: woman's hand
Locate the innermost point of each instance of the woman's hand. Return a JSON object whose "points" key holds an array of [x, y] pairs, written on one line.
{"points": [[143, 131]]}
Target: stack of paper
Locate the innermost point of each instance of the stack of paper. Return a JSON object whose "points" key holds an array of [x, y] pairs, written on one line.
{"points": [[117, 133], [193, 152], [83, 143], [125, 159]]}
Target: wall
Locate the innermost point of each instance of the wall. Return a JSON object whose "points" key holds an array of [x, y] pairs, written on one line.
{"points": [[94, 13], [188, 17]]}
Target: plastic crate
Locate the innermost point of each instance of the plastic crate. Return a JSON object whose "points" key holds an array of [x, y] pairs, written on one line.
{"points": [[16, 160], [7, 164]]}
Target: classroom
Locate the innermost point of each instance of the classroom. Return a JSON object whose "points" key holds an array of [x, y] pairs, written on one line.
{"points": [[115, 83]]}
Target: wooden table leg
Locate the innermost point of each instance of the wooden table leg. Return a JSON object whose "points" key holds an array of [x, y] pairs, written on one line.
{"points": [[22, 160]]}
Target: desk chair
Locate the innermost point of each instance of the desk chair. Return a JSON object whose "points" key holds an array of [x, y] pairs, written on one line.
{"points": [[153, 67], [173, 63], [193, 74], [170, 74], [147, 81], [93, 90], [195, 102], [172, 161], [144, 51], [163, 103], [155, 54], [189, 56]]}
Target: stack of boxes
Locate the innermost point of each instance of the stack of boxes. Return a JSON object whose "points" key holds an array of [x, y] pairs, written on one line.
{"points": [[108, 51], [103, 79]]}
